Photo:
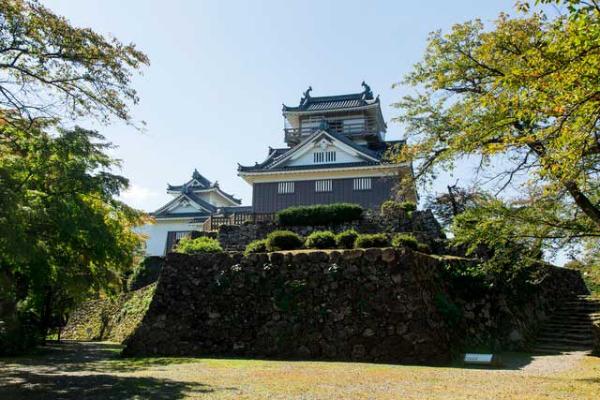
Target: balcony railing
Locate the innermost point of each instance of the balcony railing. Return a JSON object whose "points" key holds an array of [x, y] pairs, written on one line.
{"points": [[367, 127], [214, 222]]}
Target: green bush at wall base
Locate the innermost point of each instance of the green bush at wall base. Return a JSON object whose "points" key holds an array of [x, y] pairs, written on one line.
{"points": [[346, 239], [283, 240], [199, 245], [320, 215], [405, 240], [320, 240], [372, 240], [257, 246]]}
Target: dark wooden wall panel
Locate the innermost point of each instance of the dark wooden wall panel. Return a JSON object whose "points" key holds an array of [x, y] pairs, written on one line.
{"points": [[265, 198]]}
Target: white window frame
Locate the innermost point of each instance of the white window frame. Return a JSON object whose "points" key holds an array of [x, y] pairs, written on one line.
{"points": [[322, 157], [285, 187], [323, 186], [362, 184]]}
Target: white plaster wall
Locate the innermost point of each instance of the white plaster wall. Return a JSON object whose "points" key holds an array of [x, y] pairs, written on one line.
{"points": [[156, 241]]}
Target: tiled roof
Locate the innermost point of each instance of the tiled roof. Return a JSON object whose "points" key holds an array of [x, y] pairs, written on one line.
{"points": [[199, 214], [340, 102], [375, 153], [201, 202], [203, 184]]}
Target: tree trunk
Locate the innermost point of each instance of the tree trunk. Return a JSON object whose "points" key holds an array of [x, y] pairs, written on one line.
{"points": [[583, 202]]}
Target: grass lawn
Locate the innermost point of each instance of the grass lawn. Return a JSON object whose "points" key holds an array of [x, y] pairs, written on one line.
{"points": [[95, 371]]}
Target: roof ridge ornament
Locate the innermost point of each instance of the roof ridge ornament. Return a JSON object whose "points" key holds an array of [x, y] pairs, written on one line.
{"points": [[305, 96], [367, 93]]}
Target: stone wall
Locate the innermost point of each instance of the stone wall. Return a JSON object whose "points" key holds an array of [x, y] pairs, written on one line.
{"points": [[509, 318], [381, 305], [421, 223], [373, 304]]}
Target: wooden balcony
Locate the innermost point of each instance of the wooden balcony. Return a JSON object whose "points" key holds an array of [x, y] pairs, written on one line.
{"points": [[367, 129], [214, 222]]}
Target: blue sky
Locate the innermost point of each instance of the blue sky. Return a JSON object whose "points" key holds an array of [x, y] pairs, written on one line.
{"points": [[221, 70]]}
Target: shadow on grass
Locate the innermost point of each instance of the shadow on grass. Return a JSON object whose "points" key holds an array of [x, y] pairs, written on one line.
{"points": [[72, 356], [88, 370], [31, 386]]}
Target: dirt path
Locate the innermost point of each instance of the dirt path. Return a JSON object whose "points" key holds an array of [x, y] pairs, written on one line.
{"points": [[75, 370]]}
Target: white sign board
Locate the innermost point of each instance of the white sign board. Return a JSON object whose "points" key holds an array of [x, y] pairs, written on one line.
{"points": [[473, 358]]}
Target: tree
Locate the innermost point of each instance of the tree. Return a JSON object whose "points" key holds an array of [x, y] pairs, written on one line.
{"points": [[524, 98], [446, 206], [52, 70], [63, 235]]}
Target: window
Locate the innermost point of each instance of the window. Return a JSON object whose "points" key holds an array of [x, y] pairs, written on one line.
{"points": [[324, 157], [323, 186], [285, 187], [362, 183]]}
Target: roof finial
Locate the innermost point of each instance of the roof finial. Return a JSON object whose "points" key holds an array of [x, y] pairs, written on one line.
{"points": [[306, 95], [196, 174], [367, 93]]}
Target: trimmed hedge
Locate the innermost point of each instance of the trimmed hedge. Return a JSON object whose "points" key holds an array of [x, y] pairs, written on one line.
{"points": [[257, 246], [372, 240], [320, 240], [283, 240], [320, 215], [199, 245], [405, 240], [346, 239]]}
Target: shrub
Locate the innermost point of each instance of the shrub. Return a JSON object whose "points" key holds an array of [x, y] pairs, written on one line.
{"points": [[329, 214], [145, 273], [283, 240], [405, 240], [372, 240], [395, 208], [423, 248], [320, 240], [346, 239], [199, 245], [257, 246]]}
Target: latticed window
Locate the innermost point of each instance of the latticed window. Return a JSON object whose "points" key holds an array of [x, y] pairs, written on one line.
{"points": [[362, 184], [285, 187], [323, 186], [324, 157]]}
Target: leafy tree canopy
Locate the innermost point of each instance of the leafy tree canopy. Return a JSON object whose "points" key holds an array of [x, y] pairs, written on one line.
{"points": [[63, 234], [50, 69], [523, 97]]}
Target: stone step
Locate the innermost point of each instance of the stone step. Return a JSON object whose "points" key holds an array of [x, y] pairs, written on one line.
{"points": [[555, 349], [565, 343], [565, 335]]}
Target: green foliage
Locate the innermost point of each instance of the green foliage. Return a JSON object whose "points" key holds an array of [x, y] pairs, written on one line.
{"points": [[63, 233], [256, 246], [372, 240], [392, 208], [283, 240], [321, 240], [346, 239], [521, 96], [405, 240], [423, 248], [145, 273], [199, 245], [450, 311], [78, 71], [320, 215]]}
